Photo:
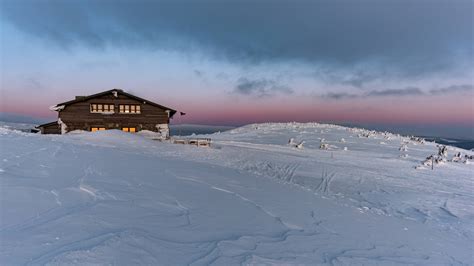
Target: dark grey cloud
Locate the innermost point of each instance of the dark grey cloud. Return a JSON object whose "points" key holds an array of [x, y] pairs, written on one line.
{"points": [[260, 87], [339, 96], [374, 93], [359, 78], [411, 36], [414, 91], [453, 89], [396, 92], [198, 73], [34, 83]]}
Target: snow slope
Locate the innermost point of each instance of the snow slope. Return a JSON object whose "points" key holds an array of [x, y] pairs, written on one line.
{"points": [[110, 197]]}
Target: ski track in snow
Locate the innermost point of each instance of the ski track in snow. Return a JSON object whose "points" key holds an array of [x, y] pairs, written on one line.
{"points": [[116, 198]]}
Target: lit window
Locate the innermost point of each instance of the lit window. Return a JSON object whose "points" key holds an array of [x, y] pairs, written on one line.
{"points": [[129, 108], [129, 129], [102, 108], [94, 129]]}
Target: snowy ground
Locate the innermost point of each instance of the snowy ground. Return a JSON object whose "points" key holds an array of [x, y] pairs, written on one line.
{"points": [[117, 198]]}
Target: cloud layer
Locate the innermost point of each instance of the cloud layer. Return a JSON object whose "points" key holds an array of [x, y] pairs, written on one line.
{"points": [[260, 87], [409, 91], [415, 36]]}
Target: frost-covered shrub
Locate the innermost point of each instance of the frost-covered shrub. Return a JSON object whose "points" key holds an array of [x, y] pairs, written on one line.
{"points": [[404, 147], [432, 159], [457, 157], [324, 146], [291, 142], [417, 140], [443, 151], [300, 145]]}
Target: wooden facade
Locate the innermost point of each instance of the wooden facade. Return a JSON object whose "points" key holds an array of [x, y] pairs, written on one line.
{"points": [[113, 109], [50, 128]]}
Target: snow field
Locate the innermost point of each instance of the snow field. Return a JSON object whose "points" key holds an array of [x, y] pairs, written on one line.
{"points": [[117, 198]]}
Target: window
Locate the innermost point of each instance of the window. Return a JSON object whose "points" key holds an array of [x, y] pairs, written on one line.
{"points": [[108, 108], [129, 129], [94, 129], [129, 108], [102, 108]]}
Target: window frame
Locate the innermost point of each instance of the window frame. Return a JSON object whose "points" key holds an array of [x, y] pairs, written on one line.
{"points": [[132, 109], [102, 108]]}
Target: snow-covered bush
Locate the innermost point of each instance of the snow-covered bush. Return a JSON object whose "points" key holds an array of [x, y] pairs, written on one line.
{"points": [[432, 159], [417, 140], [457, 157], [442, 151], [300, 145], [291, 142], [404, 147]]}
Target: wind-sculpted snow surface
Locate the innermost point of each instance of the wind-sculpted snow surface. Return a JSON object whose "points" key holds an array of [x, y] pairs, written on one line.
{"points": [[254, 197]]}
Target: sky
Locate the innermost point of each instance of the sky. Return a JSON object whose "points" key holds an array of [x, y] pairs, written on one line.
{"points": [[237, 62]]}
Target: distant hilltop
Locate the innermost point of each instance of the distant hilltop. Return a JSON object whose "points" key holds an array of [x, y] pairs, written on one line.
{"points": [[19, 118]]}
